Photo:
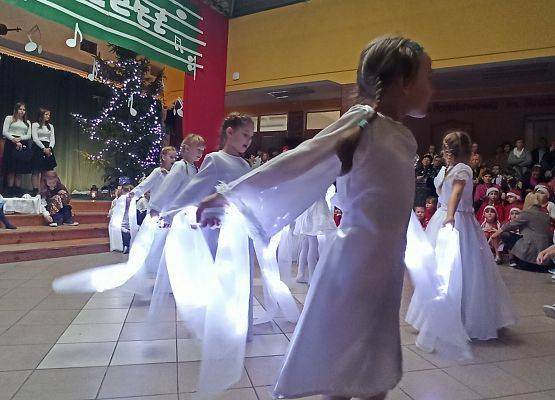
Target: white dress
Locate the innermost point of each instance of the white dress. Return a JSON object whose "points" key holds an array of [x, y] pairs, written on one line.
{"points": [[347, 341], [316, 220], [484, 299]]}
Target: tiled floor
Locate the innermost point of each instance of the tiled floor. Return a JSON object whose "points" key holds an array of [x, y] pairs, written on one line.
{"points": [[101, 346]]}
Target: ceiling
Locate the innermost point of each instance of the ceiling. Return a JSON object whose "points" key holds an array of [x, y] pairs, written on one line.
{"points": [[238, 8], [310, 91]]}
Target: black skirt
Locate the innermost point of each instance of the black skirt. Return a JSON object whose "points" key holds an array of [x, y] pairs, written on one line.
{"points": [[41, 162], [13, 162]]}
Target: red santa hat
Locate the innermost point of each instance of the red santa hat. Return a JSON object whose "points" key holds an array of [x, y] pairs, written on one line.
{"points": [[515, 209], [514, 194], [492, 189], [542, 189]]}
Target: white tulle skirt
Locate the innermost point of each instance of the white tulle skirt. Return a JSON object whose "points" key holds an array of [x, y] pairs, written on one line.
{"points": [[484, 300]]}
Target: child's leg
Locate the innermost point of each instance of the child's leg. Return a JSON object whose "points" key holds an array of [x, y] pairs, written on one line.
{"points": [[126, 239], [302, 273], [312, 255]]}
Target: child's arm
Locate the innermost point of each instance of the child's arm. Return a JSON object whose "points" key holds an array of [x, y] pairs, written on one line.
{"points": [[453, 203]]}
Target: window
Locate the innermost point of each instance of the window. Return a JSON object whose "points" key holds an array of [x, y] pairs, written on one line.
{"points": [[273, 123], [320, 120], [255, 122]]}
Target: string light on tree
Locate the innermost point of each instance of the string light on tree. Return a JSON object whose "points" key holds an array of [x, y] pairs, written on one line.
{"points": [[129, 128]]}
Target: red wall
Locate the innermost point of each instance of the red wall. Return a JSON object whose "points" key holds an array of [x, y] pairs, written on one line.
{"points": [[204, 96]]}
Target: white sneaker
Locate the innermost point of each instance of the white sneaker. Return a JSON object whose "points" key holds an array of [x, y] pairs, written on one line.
{"points": [[53, 224], [549, 311], [302, 279]]}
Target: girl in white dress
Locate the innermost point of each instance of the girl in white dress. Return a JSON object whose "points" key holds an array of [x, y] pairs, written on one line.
{"points": [[43, 135], [313, 226], [484, 300], [347, 341], [191, 151]]}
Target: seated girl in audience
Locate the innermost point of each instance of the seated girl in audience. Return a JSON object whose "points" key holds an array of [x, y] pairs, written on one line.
{"points": [[490, 226], [420, 212], [535, 178], [431, 208], [493, 195], [482, 188], [513, 200], [57, 200]]}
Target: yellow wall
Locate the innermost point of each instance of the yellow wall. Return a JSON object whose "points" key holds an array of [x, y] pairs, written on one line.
{"points": [[173, 84], [321, 39]]}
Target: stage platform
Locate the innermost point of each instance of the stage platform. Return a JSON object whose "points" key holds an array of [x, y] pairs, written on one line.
{"points": [[34, 240]]}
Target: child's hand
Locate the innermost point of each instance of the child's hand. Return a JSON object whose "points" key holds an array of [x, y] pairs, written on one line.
{"points": [[449, 220], [215, 201]]}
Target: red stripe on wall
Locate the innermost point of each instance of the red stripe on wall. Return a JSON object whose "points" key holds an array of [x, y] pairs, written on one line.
{"points": [[204, 96]]}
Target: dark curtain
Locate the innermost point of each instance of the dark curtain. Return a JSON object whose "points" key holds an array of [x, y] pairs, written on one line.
{"points": [[62, 93]]}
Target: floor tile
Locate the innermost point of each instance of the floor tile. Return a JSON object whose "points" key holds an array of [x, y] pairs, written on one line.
{"points": [[267, 328], [18, 303], [232, 394], [139, 380], [22, 357], [11, 283], [539, 372], [264, 371], [489, 380], [62, 384], [49, 317], [155, 397], [101, 316], [109, 302], [285, 325], [10, 382], [141, 314], [144, 352], [528, 396], [435, 385], [32, 334], [69, 355], [81, 333], [10, 317], [189, 350], [413, 362], [265, 393], [64, 302], [267, 345], [148, 331], [188, 373]]}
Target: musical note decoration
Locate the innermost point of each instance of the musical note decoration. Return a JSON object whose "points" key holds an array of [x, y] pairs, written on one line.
{"points": [[94, 74], [192, 65], [132, 111], [72, 42], [181, 14]]}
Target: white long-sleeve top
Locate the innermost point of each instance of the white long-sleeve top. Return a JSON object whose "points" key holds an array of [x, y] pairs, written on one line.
{"points": [[43, 134], [178, 178], [217, 167], [16, 129], [151, 183]]}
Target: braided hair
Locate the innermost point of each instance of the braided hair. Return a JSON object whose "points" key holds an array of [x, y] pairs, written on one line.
{"points": [[381, 62]]}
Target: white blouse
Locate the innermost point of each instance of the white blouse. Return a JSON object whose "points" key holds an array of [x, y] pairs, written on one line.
{"points": [[17, 129], [178, 178], [43, 134]]}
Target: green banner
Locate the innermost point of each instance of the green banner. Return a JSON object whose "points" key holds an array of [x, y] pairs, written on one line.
{"points": [[163, 30]]}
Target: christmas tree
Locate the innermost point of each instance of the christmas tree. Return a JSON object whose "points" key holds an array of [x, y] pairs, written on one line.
{"points": [[129, 129]]}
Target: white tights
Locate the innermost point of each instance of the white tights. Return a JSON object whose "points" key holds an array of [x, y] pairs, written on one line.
{"points": [[308, 258]]}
